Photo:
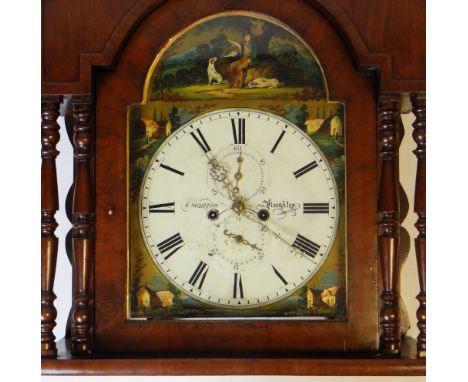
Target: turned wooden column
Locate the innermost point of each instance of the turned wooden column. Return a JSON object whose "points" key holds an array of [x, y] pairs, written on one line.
{"points": [[50, 111], [389, 222], [83, 225], [419, 135]]}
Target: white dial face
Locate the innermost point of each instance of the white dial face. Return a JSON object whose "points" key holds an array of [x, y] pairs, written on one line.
{"points": [[239, 208]]}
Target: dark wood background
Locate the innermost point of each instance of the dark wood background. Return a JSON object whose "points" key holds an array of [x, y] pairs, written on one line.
{"points": [[388, 35]]}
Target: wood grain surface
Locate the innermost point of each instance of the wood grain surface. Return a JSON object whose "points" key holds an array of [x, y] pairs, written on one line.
{"points": [[123, 86], [323, 365], [387, 36]]}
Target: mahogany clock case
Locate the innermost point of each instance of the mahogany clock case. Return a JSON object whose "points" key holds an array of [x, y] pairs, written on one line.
{"points": [[195, 74], [122, 86]]}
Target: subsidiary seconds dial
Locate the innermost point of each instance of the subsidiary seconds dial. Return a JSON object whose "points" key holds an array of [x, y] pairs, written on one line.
{"points": [[238, 208]]}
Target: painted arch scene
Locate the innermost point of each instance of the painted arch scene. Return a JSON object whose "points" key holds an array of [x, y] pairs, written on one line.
{"points": [[247, 60], [237, 55]]}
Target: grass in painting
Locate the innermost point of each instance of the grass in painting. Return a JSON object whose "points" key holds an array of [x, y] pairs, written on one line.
{"points": [[205, 312], [293, 306], [204, 92]]}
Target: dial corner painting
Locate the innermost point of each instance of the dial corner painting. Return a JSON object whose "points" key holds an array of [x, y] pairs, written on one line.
{"points": [[236, 178]]}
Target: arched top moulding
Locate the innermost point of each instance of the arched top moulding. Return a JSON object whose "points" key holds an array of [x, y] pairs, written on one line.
{"points": [[84, 54]]}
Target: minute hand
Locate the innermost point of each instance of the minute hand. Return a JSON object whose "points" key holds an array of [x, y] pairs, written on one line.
{"points": [[247, 215], [297, 247]]}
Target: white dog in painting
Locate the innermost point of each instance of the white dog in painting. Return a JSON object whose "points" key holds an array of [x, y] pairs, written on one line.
{"points": [[213, 74]]}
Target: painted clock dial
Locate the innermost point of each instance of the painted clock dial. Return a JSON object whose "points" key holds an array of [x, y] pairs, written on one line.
{"points": [[238, 208]]}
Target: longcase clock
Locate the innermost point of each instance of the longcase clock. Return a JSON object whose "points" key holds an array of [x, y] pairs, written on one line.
{"points": [[235, 189]]}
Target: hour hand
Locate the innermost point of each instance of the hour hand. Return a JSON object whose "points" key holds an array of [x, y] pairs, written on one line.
{"points": [[217, 170], [218, 173]]}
